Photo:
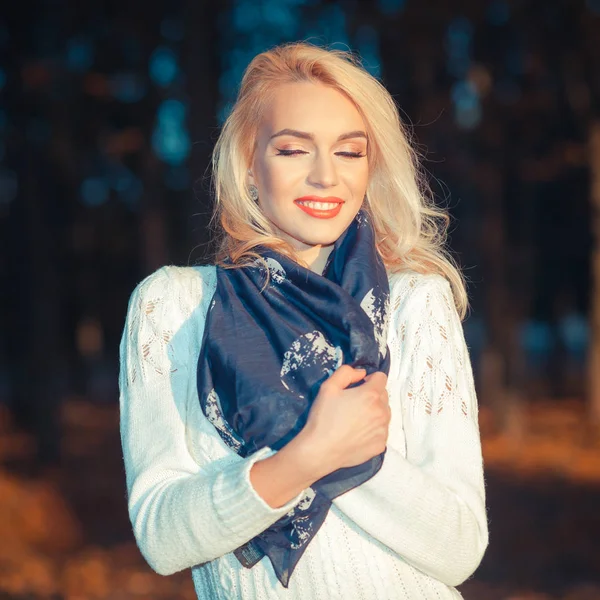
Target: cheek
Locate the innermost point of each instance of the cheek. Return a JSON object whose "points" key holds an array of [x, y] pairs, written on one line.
{"points": [[358, 178], [277, 179]]}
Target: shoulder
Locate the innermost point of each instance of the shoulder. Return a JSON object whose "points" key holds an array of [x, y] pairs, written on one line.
{"points": [[412, 292], [178, 281], [172, 277], [425, 325], [183, 288]]}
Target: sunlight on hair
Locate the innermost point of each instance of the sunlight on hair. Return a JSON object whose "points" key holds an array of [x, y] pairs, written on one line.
{"points": [[410, 229]]}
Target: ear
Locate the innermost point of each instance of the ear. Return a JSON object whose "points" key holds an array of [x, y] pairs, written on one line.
{"points": [[250, 176]]}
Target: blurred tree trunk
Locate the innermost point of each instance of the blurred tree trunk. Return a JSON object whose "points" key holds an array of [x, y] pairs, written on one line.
{"points": [[501, 362], [594, 351], [153, 225], [201, 62], [34, 326], [154, 239]]}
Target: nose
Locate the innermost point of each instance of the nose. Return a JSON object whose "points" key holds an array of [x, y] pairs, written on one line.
{"points": [[323, 173]]}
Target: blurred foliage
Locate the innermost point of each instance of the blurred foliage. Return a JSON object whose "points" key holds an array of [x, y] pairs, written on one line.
{"points": [[108, 114]]}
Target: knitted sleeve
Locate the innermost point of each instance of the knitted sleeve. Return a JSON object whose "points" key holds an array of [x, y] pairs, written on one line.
{"points": [[429, 507], [183, 513]]}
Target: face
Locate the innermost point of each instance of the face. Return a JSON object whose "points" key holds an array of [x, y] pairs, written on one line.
{"points": [[310, 164]]}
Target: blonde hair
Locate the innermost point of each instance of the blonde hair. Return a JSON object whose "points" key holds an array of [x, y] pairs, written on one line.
{"points": [[410, 229]]}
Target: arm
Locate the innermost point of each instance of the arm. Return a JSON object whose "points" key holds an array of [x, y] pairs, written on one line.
{"points": [[183, 513], [433, 500]]}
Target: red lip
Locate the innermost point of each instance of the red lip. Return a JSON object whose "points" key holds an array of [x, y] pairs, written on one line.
{"points": [[320, 214], [320, 199]]}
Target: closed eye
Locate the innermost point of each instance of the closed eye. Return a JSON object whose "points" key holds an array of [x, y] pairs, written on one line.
{"points": [[282, 152], [290, 152], [351, 154]]}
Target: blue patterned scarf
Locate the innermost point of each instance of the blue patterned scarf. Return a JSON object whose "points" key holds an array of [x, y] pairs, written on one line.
{"points": [[265, 355]]}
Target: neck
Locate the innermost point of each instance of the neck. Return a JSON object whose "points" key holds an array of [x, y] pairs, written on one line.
{"points": [[315, 257]]}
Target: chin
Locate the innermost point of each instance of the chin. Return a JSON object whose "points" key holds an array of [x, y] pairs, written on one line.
{"points": [[313, 232], [313, 238]]}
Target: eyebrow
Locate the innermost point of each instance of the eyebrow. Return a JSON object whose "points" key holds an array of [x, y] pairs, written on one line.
{"points": [[309, 136]]}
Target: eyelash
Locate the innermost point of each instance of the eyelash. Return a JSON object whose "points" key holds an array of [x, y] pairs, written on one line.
{"points": [[296, 152]]}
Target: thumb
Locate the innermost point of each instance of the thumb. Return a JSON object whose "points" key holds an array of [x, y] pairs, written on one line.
{"points": [[346, 375]]}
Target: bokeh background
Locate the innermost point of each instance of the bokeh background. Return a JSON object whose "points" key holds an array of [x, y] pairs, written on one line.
{"points": [[108, 114]]}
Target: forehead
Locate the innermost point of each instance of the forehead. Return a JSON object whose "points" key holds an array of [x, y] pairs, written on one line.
{"points": [[311, 107]]}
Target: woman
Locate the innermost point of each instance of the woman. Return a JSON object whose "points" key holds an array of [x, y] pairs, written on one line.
{"points": [[299, 421]]}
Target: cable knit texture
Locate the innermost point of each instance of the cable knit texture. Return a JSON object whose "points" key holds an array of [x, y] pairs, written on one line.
{"points": [[413, 531]]}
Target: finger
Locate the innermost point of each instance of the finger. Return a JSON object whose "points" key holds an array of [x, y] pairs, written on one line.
{"points": [[377, 379]]}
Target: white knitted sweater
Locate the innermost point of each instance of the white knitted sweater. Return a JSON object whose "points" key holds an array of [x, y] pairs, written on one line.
{"points": [[413, 531]]}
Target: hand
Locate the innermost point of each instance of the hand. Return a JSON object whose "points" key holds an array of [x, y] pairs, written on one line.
{"points": [[347, 427]]}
